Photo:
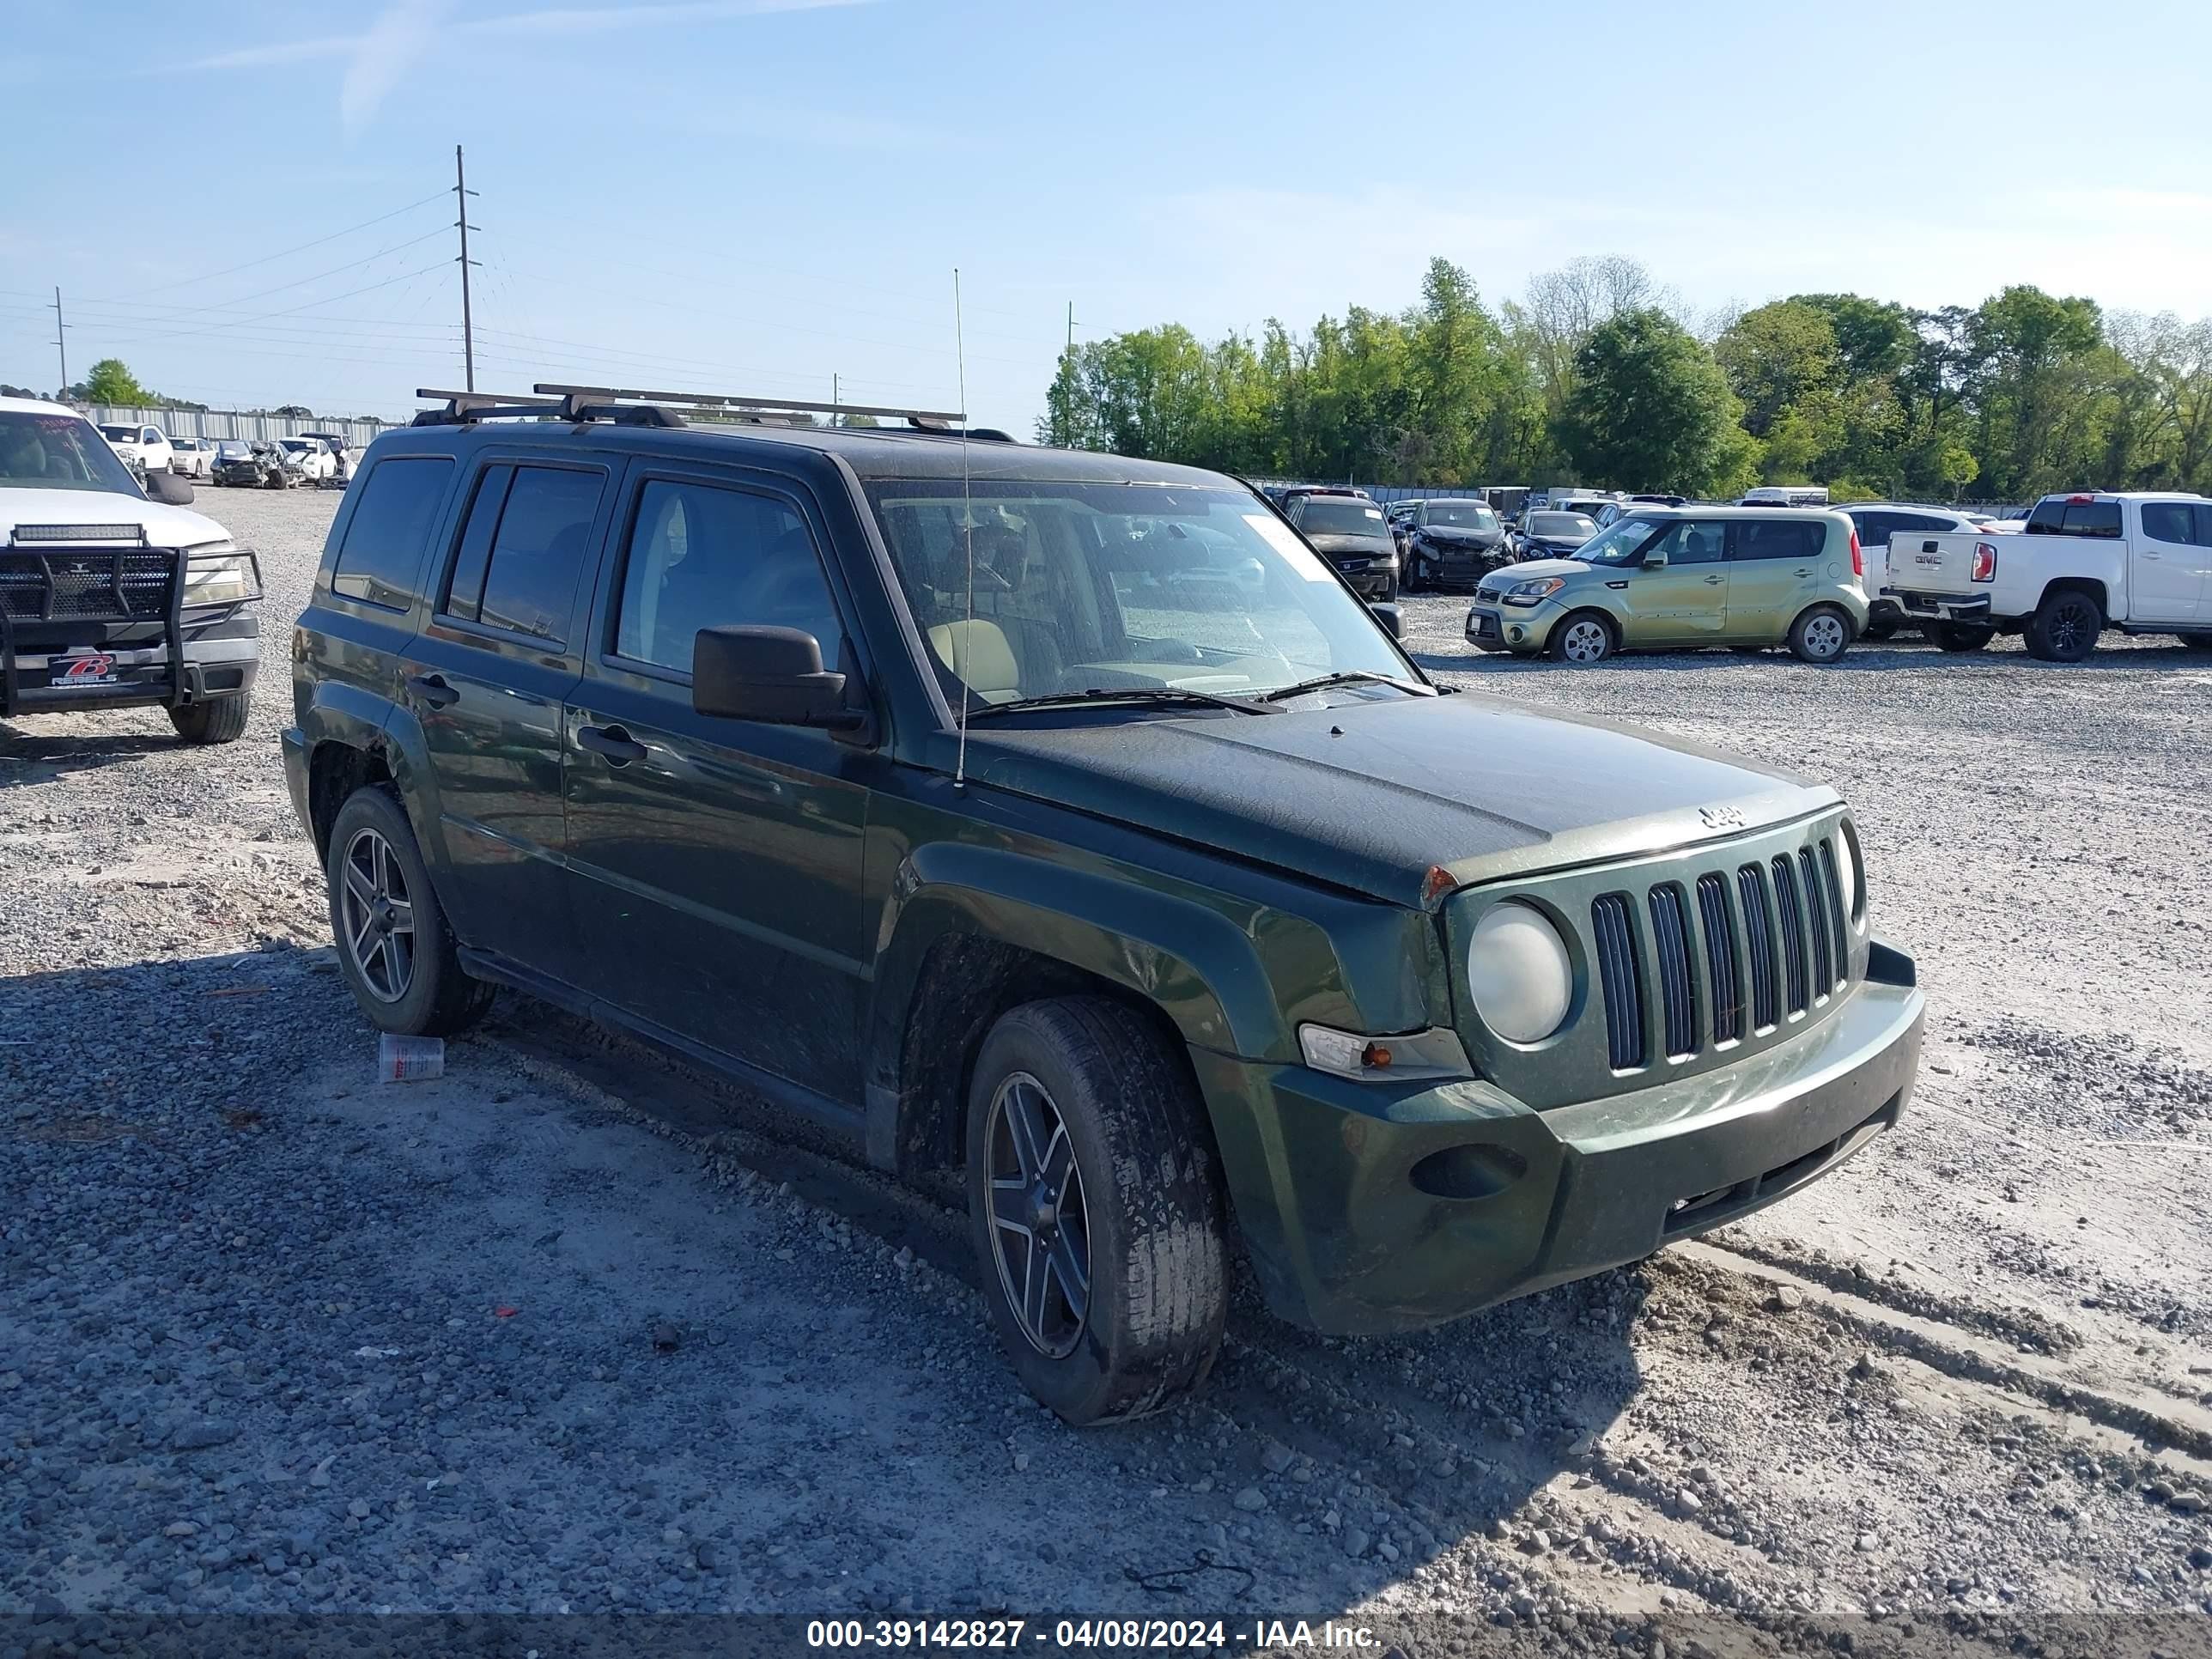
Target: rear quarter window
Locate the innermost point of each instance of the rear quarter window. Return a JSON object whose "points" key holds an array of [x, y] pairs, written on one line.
{"points": [[2169, 521], [390, 530]]}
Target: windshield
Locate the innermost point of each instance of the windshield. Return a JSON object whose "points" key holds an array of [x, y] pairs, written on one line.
{"points": [[1562, 526], [1082, 587], [295, 445], [1321, 517], [121, 434], [59, 452], [1460, 515], [1619, 544]]}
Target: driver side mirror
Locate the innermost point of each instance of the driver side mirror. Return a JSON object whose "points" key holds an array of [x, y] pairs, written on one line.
{"points": [[772, 675], [1655, 558], [167, 487]]}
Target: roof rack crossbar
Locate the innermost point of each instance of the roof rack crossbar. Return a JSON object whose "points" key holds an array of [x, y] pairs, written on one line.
{"points": [[737, 401]]}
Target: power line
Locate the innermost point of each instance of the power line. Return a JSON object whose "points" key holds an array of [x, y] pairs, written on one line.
{"points": [[268, 258], [183, 312]]}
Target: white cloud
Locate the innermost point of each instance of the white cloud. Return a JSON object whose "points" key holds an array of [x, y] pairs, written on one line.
{"points": [[387, 52]]}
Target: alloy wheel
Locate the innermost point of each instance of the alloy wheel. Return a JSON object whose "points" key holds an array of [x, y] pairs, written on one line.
{"points": [[1586, 641], [377, 915], [2070, 623], [1040, 1227]]}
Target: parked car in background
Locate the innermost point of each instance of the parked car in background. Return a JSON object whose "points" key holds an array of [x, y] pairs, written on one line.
{"points": [[145, 448], [113, 595], [236, 464], [1588, 502], [1548, 535], [1787, 495], [1671, 577], [1508, 501], [1349, 531], [1209, 938], [342, 457], [1877, 522], [2139, 562], [1453, 541], [191, 457], [305, 460]]}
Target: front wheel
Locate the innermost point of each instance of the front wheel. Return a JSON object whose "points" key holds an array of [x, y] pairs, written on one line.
{"points": [[1096, 1208], [1582, 639], [2064, 627], [398, 956], [1960, 637], [222, 721], [1821, 636]]}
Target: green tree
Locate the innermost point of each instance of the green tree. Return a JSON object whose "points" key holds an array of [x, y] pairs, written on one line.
{"points": [[1651, 410], [112, 382], [1775, 357]]}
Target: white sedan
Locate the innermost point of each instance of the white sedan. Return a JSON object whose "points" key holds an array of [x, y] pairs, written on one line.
{"points": [[191, 457], [306, 460]]}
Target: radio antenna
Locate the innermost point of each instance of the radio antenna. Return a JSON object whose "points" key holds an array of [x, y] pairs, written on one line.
{"points": [[960, 657]]}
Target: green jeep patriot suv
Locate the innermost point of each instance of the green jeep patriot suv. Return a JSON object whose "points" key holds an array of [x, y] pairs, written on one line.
{"points": [[1066, 821]]}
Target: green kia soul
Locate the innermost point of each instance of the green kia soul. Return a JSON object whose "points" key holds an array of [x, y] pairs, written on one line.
{"points": [[1123, 872], [1671, 577]]}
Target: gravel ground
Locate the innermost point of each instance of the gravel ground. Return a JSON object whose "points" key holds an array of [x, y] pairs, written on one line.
{"points": [[555, 1332]]}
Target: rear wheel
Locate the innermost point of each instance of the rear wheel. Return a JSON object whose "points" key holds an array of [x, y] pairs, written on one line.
{"points": [[1960, 637], [222, 721], [398, 956], [1821, 635], [1096, 1209], [1582, 639], [2064, 627], [1880, 628]]}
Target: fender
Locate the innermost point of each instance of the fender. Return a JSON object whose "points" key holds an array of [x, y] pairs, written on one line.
{"points": [[408, 753]]}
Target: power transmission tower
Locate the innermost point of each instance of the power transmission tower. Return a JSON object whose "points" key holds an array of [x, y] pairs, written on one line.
{"points": [[61, 329], [462, 192]]}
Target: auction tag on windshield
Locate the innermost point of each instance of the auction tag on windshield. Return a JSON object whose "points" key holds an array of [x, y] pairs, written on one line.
{"points": [[1284, 540]]}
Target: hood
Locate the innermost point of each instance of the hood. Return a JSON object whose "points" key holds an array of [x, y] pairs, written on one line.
{"points": [[1369, 794], [166, 525], [1528, 568], [1452, 535], [1380, 541]]}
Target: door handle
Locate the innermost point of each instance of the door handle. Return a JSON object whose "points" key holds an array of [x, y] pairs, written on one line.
{"points": [[1715, 582], [2150, 555], [611, 741], [432, 690], [1804, 573]]}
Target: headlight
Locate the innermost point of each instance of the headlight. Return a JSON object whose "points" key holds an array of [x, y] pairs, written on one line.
{"points": [[1519, 973], [226, 577], [1535, 591]]}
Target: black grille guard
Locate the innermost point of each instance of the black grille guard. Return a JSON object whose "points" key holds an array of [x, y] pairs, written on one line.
{"points": [[46, 553]]}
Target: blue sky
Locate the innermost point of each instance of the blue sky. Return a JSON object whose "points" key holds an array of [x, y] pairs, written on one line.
{"points": [[753, 195]]}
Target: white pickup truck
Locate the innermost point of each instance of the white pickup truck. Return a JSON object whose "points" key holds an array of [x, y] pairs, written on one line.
{"points": [[2084, 563]]}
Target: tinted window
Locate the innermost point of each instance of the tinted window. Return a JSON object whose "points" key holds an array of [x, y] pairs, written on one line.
{"points": [[1779, 538], [1687, 541], [464, 586], [1927, 521], [2055, 517], [544, 530], [1324, 516], [702, 556], [383, 548], [1876, 528], [2204, 525], [2169, 521]]}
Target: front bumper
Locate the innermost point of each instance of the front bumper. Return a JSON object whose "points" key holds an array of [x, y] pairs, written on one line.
{"points": [[1376, 579], [1523, 630], [1322, 1171], [220, 656]]}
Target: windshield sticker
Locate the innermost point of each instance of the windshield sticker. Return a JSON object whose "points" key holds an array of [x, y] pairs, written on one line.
{"points": [[1284, 540]]}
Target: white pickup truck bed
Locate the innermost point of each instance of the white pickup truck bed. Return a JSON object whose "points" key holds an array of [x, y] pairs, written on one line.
{"points": [[2139, 562]]}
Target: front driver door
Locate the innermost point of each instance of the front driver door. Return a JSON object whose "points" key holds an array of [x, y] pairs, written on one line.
{"points": [[1775, 568], [1687, 599], [715, 865]]}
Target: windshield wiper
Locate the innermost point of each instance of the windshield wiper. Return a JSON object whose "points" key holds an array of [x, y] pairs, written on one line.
{"points": [[1137, 693], [1345, 677]]}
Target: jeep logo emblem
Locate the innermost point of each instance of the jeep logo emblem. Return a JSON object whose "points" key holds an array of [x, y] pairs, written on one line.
{"points": [[1720, 817]]}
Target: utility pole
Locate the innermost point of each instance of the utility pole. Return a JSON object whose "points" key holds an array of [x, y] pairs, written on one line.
{"points": [[61, 328], [833, 398], [462, 192]]}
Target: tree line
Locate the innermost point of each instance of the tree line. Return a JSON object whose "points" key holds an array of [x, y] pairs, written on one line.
{"points": [[1596, 376]]}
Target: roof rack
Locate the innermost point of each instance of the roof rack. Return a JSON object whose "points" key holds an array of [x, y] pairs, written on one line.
{"points": [[739, 405], [464, 407]]}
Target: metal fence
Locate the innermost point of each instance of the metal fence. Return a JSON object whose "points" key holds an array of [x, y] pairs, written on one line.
{"points": [[231, 423]]}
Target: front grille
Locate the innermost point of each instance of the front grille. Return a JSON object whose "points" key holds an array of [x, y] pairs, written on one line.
{"points": [[1771, 945], [1622, 978], [69, 585]]}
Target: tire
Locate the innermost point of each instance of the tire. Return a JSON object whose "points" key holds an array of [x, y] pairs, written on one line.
{"points": [[222, 720], [434, 997], [1152, 1243], [2064, 627], [1958, 638], [1879, 630], [2196, 642], [1820, 635], [1574, 642]]}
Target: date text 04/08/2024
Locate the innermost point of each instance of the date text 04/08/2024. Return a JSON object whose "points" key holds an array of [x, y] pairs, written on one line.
{"points": [[1167, 1634]]}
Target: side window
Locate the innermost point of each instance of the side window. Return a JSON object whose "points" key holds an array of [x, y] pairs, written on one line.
{"points": [[1924, 522], [149, 436], [701, 555], [2203, 525], [1691, 541], [526, 581], [1778, 539], [1875, 529], [384, 540], [2169, 521]]}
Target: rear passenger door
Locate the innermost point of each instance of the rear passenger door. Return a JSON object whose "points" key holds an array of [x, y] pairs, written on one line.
{"points": [[2169, 564], [486, 678], [1775, 567], [717, 863]]}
